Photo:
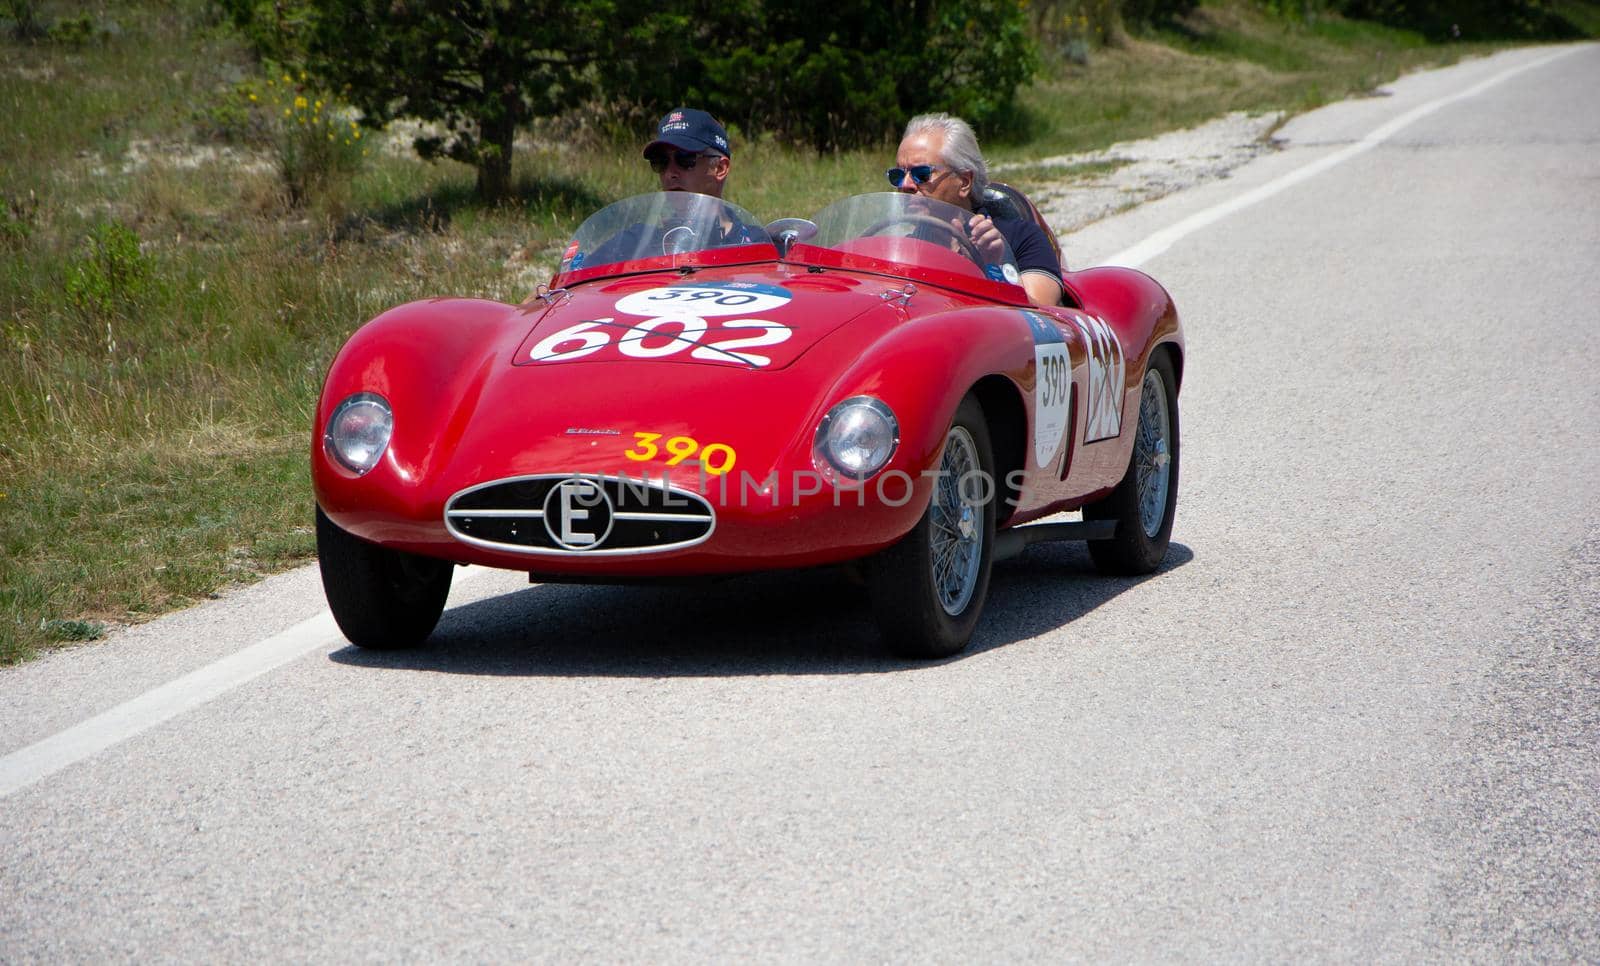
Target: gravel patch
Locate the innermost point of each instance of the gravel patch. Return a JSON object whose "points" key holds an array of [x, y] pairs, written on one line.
{"points": [[1145, 170]]}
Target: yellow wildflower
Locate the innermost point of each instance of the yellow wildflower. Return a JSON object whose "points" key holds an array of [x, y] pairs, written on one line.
{"points": [[319, 105], [300, 103], [252, 97]]}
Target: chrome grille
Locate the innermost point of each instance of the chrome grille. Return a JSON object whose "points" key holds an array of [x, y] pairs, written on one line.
{"points": [[579, 515]]}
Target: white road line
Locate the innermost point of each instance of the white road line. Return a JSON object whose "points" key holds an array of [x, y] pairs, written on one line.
{"points": [[1171, 235], [44, 758]]}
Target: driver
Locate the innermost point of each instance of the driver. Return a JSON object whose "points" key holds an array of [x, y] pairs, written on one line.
{"points": [[691, 152], [939, 158]]}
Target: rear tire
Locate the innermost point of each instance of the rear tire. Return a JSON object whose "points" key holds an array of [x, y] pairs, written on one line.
{"points": [[928, 590], [1144, 502], [381, 598]]}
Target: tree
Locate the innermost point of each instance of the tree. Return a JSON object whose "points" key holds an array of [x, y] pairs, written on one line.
{"points": [[479, 68], [846, 73]]}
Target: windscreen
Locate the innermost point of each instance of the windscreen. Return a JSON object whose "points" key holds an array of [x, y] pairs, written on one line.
{"points": [[674, 226], [912, 229]]}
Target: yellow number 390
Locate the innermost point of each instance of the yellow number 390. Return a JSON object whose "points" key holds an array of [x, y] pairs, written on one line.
{"points": [[715, 458]]}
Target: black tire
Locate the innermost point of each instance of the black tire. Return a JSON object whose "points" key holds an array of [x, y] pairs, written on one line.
{"points": [[918, 617], [1142, 538], [381, 598]]}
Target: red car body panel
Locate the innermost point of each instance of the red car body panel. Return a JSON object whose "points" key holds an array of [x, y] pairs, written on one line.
{"points": [[482, 391]]}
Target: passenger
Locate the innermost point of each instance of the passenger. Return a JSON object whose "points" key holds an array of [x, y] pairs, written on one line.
{"points": [[939, 158]]}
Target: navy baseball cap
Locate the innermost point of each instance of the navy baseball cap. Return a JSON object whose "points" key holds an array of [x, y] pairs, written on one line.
{"points": [[690, 130]]}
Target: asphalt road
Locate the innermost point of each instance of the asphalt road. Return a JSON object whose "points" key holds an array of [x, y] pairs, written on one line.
{"points": [[1355, 717]]}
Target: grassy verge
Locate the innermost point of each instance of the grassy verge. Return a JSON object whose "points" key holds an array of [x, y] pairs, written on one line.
{"points": [[166, 317]]}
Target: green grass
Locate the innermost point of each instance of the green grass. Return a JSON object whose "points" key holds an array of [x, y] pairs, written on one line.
{"points": [[1224, 57], [164, 326]]}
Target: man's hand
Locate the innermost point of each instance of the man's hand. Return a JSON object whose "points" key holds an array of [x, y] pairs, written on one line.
{"points": [[984, 235]]}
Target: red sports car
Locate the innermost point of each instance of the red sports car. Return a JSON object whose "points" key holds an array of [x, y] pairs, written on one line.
{"points": [[699, 394]]}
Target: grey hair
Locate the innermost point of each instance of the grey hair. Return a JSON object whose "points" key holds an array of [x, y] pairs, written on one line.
{"points": [[960, 149]]}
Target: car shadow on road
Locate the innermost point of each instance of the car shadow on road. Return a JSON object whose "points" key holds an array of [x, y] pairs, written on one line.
{"points": [[794, 623]]}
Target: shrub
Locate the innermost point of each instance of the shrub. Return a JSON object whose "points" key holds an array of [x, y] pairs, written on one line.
{"points": [[17, 216], [73, 31], [314, 141], [1465, 19], [111, 273], [1155, 13], [25, 24], [232, 118]]}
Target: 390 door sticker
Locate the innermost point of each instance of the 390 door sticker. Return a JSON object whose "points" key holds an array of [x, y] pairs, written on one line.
{"points": [[1104, 371], [1052, 388]]}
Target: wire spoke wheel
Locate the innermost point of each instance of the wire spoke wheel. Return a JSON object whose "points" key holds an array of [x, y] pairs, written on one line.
{"points": [[957, 540], [1152, 449], [1144, 502], [928, 590]]}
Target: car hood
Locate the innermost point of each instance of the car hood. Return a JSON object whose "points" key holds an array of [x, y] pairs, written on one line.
{"points": [[740, 318]]}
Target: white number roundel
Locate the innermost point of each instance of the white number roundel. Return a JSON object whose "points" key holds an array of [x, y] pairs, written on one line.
{"points": [[704, 300]]}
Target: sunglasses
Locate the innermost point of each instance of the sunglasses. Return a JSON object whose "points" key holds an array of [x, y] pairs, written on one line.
{"points": [[920, 173], [683, 159]]}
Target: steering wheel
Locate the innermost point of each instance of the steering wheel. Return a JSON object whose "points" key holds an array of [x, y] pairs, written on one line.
{"points": [[678, 240], [928, 221]]}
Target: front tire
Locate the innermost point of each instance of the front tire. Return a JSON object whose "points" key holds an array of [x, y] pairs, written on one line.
{"points": [[928, 590], [1144, 502], [382, 599]]}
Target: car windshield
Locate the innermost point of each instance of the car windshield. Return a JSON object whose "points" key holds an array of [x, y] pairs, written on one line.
{"points": [[911, 230], [883, 231], [670, 228]]}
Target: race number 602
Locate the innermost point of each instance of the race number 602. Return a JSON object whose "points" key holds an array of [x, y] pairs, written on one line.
{"points": [[664, 337]]}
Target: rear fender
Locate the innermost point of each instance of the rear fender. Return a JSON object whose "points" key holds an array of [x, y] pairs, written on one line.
{"points": [[1137, 308]]}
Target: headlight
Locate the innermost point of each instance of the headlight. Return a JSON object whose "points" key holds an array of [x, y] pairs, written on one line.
{"points": [[856, 439], [359, 431]]}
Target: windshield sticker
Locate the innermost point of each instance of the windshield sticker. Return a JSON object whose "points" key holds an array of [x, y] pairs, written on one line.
{"points": [[994, 273], [1104, 378], [1052, 390], [705, 299]]}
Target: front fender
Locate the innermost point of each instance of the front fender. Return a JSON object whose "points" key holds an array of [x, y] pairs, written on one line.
{"points": [[431, 359], [922, 366]]}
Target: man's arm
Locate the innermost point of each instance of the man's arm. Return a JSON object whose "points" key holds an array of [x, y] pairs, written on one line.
{"points": [[1042, 288], [1041, 273]]}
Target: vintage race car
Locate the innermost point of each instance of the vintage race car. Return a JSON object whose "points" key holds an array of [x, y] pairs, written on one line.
{"points": [[697, 394]]}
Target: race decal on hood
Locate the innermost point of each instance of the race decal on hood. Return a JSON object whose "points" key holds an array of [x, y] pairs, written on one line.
{"points": [[704, 299]]}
